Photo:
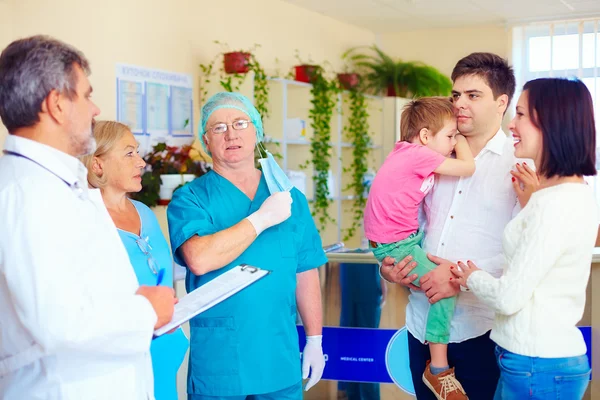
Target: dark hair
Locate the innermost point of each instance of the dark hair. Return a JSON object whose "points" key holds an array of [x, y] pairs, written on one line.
{"points": [[427, 112], [493, 69], [563, 110], [30, 69]]}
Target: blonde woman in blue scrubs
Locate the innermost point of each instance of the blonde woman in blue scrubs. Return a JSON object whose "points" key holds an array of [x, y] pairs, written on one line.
{"points": [[116, 169]]}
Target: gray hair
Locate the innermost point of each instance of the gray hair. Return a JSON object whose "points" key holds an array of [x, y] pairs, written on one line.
{"points": [[30, 69]]}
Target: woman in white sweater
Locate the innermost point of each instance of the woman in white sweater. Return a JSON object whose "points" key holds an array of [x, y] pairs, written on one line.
{"points": [[548, 248]]}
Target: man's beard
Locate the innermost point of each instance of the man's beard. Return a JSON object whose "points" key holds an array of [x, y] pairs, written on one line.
{"points": [[84, 148], [91, 147]]}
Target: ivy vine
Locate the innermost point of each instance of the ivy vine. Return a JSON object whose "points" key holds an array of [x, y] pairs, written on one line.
{"points": [[323, 103], [357, 132], [233, 82], [261, 88]]}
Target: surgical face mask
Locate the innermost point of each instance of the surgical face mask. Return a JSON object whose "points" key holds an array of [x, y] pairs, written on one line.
{"points": [[277, 180]]}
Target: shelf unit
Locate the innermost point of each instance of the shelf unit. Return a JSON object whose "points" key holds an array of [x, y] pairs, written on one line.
{"points": [[291, 99]]}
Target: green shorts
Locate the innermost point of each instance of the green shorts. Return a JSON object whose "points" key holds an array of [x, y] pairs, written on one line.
{"points": [[440, 313]]}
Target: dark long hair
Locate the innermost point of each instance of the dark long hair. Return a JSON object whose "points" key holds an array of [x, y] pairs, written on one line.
{"points": [[563, 110]]}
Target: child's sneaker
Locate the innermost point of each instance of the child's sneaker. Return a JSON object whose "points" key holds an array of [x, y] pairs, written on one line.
{"points": [[444, 385]]}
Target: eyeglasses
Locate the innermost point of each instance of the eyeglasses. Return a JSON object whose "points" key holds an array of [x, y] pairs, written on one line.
{"points": [[221, 128], [146, 248]]}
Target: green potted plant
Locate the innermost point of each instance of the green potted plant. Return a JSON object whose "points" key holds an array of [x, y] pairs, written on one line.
{"points": [[168, 168], [348, 80], [356, 131], [383, 74], [232, 72], [236, 62], [305, 71], [323, 101]]}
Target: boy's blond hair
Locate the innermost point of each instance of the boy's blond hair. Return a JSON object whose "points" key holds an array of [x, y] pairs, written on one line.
{"points": [[427, 112]]}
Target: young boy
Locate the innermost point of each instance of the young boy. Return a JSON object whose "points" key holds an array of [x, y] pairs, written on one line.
{"points": [[428, 137]]}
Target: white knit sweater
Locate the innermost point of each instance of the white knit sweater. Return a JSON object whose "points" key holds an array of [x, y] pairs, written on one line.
{"points": [[541, 295]]}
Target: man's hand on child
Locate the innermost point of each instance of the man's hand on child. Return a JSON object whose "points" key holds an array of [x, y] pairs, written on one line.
{"points": [[399, 272], [437, 284], [461, 275]]}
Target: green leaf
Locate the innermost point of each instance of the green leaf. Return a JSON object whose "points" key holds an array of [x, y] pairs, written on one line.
{"points": [[408, 78], [357, 132]]}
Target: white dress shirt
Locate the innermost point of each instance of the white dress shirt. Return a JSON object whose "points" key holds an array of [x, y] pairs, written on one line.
{"points": [[465, 218], [541, 295], [71, 326]]}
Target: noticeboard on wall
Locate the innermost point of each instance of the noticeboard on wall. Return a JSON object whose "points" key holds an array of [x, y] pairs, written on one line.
{"points": [[157, 105]]}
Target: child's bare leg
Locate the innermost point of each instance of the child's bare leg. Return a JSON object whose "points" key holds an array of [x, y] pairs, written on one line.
{"points": [[439, 355]]}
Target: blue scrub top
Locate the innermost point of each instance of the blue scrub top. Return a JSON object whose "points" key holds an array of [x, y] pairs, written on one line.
{"points": [[167, 351], [248, 344]]}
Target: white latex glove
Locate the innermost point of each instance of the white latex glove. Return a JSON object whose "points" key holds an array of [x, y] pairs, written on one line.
{"points": [[275, 209], [313, 360]]}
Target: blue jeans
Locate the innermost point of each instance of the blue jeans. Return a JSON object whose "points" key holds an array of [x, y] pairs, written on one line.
{"points": [[523, 377]]}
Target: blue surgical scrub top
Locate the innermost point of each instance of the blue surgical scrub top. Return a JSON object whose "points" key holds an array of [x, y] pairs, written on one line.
{"points": [[167, 351], [248, 344]]}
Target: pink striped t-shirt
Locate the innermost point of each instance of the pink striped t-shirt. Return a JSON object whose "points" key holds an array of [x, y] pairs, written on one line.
{"points": [[401, 184]]}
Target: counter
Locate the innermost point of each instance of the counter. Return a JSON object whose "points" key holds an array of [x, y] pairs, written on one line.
{"points": [[368, 258]]}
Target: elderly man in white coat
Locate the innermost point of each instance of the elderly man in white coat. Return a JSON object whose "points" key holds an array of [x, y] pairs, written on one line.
{"points": [[75, 324]]}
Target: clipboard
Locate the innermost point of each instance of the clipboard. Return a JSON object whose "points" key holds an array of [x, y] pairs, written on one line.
{"points": [[212, 293]]}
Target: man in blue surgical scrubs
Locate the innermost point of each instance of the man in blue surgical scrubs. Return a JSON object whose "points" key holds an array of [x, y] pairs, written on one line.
{"points": [[247, 346]]}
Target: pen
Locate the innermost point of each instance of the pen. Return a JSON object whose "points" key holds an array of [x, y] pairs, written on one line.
{"points": [[159, 278]]}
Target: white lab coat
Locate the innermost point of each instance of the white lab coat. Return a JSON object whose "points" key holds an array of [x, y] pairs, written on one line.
{"points": [[71, 326]]}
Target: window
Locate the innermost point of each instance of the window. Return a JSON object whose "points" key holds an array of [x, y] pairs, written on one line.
{"points": [[561, 49]]}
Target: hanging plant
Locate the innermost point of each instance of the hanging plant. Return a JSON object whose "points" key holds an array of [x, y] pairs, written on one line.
{"points": [[261, 88], [323, 102], [348, 80], [357, 132], [232, 73], [384, 74], [236, 62], [305, 72]]}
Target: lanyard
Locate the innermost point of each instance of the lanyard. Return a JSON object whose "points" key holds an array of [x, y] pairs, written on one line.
{"points": [[75, 186]]}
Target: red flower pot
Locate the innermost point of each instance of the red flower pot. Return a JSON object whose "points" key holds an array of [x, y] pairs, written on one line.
{"points": [[349, 81], [305, 73], [391, 91], [236, 62]]}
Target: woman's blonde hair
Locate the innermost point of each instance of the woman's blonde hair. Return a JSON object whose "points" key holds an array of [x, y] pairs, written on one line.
{"points": [[107, 134]]}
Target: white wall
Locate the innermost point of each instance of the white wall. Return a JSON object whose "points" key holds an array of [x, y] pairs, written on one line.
{"points": [[176, 35], [442, 48]]}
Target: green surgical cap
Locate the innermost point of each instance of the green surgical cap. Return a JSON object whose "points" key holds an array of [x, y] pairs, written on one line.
{"points": [[230, 100]]}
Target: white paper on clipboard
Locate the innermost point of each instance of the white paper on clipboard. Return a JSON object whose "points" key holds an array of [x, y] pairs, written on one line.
{"points": [[212, 293]]}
